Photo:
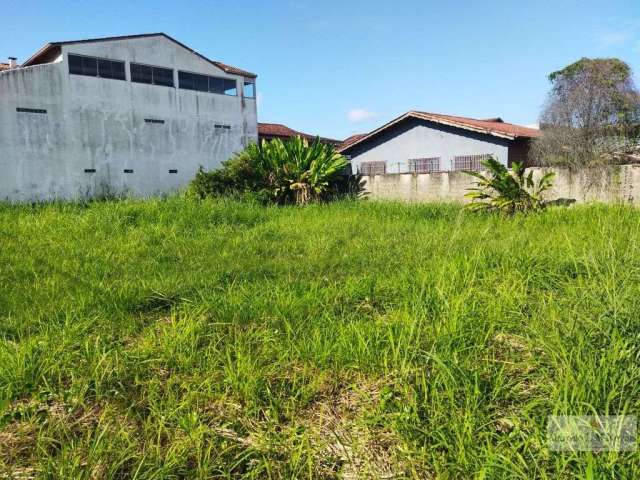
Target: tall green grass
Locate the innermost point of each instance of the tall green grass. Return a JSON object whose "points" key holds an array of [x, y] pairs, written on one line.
{"points": [[177, 339]]}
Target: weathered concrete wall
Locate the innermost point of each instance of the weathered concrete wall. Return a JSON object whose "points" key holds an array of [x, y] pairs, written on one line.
{"points": [[612, 184], [96, 123], [415, 138]]}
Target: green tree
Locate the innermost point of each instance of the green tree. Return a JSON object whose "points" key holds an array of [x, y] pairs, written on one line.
{"points": [[591, 114]]}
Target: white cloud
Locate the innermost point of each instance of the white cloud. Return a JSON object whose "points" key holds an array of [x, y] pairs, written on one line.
{"points": [[356, 115], [610, 39], [619, 32], [533, 125]]}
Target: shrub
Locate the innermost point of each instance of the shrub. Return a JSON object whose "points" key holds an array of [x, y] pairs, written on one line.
{"points": [[235, 178], [507, 192], [292, 171]]}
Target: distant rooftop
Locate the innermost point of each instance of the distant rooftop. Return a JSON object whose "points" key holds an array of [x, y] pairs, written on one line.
{"points": [[491, 126], [352, 139], [271, 130]]}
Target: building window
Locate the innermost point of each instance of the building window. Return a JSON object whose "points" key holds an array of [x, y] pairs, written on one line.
{"points": [[470, 162], [249, 89], [222, 86], [372, 168], [205, 83], [111, 69], [96, 67], [151, 75], [193, 81], [424, 165]]}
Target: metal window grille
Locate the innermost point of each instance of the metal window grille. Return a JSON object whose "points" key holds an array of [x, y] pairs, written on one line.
{"points": [[470, 162], [424, 165], [373, 168]]}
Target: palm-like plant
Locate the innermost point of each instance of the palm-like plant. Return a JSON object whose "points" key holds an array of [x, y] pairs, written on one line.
{"points": [[507, 192], [311, 168], [295, 170], [283, 172]]}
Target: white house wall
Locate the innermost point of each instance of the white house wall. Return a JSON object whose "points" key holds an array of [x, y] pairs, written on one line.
{"points": [[413, 139], [96, 123]]}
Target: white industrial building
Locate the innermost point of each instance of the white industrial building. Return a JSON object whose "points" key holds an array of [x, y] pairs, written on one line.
{"points": [[134, 115]]}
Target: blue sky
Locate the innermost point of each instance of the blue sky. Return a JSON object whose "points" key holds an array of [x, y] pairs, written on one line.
{"points": [[340, 67]]}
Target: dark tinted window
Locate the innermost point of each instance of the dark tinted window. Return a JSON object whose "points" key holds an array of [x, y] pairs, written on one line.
{"points": [[216, 85], [75, 65], [185, 80], [151, 75], [110, 69], [201, 82], [83, 65], [193, 81], [96, 67], [141, 73], [163, 76], [204, 83]]}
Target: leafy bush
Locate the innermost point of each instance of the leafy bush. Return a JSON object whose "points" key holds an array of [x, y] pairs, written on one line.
{"points": [[292, 171], [508, 192], [235, 178]]}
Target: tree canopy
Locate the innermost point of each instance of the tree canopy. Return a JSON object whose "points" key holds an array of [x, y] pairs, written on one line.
{"points": [[592, 110]]}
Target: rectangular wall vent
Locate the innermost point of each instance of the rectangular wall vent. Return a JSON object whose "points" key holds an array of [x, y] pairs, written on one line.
{"points": [[128, 170], [89, 170], [173, 170], [153, 120], [31, 110]]}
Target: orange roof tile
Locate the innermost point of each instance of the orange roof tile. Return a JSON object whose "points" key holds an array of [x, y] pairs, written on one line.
{"points": [[279, 130], [491, 126]]}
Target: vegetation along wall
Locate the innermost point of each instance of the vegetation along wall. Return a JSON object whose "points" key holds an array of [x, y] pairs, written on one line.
{"points": [[619, 183]]}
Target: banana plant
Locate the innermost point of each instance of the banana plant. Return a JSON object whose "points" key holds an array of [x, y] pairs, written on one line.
{"points": [[507, 191], [296, 170]]}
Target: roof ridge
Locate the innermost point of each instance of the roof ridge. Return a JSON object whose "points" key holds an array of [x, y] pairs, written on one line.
{"points": [[506, 130], [484, 120], [222, 66]]}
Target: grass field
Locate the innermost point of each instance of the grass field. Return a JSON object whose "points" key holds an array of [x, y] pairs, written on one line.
{"points": [[177, 339]]}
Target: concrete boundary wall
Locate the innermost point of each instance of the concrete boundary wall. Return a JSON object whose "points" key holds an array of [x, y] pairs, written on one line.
{"points": [[620, 183]]}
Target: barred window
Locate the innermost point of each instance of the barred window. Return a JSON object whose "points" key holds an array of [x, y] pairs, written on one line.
{"points": [[470, 162], [373, 168], [424, 165]]}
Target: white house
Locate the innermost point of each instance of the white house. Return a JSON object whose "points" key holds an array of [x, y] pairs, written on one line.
{"points": [[421, 142], [121, 115]]}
